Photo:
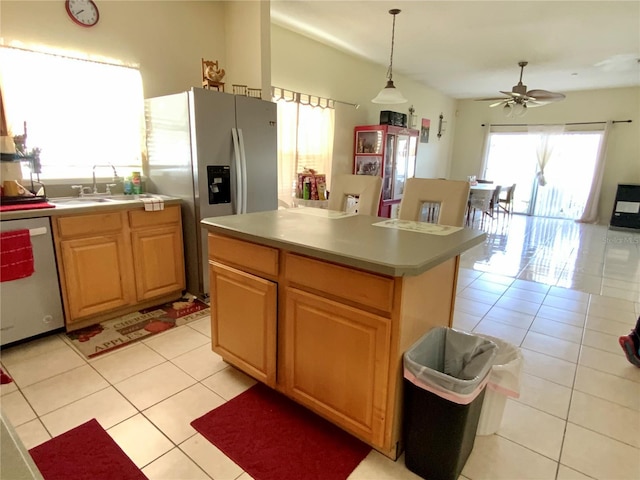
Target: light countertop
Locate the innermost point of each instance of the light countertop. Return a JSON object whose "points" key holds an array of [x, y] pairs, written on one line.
{"points": [[73, 208]]}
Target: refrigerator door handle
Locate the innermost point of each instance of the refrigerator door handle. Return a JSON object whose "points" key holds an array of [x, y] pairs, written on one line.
{"points": [[237, 162], [243, 160]]}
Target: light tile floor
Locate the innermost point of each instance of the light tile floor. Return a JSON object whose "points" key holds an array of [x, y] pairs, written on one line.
{"points": [[562, 292]]}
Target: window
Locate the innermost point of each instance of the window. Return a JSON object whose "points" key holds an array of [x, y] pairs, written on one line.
{"points": [[305, 140], [512, 158], [80, 113]]}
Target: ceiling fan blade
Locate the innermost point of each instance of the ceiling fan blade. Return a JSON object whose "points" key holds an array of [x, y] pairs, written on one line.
{"points": [[511, 94], [531, 104], [501, 102], [490, 99], [546, 96]]}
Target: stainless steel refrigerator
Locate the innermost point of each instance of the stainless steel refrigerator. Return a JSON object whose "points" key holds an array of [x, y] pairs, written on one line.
{"points": [[218, 153]]}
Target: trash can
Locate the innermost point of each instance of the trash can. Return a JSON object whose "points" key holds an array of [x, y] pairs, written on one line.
{"points": [[504, 381], [445, 373]]}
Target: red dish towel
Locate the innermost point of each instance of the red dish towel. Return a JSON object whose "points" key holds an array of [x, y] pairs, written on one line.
{"points": [[26, 206], [16, 255]]}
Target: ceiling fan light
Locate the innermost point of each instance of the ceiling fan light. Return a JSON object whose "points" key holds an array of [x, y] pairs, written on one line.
{"points": [[518, 109], [389, 95], [507, 110]]}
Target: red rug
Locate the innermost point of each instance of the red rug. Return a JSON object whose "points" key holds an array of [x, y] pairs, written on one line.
{"points": [[273, 438], [85, 452]]}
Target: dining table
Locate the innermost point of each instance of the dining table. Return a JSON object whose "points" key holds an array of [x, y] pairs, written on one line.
{"points": [[480, 189], [483, 187]]}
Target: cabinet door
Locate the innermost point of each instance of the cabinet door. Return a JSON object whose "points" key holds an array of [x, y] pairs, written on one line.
{"points": [[243, 320], [158, 260], [98, 275], [400, 166], [337, 362]]}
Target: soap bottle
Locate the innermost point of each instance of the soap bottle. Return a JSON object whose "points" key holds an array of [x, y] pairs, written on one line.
{"points": [[136, 181], [128, 186]]}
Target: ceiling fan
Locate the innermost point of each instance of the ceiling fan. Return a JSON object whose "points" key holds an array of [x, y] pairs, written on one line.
{"points": [[519, 99]]}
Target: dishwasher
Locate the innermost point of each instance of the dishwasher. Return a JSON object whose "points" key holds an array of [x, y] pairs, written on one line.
{"points": [[31, 306]]}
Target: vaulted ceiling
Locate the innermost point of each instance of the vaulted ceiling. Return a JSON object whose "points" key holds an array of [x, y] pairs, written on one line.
{"points": [[471, 49]]}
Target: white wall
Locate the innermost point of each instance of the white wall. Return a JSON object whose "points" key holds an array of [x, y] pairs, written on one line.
{"points": [[303, 65], [166, 39], [247, 32], [623, 154]]}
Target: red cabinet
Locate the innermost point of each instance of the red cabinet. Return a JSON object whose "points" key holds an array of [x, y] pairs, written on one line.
{"points": [[389, 152]]}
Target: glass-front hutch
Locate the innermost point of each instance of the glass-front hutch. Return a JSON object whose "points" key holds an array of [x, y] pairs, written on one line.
{"points": [[390, 152]]}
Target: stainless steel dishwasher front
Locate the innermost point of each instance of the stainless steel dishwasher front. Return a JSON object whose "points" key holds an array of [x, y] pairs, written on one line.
{"points": [[31, 305]]}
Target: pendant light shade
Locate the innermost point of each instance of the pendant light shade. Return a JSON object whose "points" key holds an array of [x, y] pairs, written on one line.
{"points": [[390, 94]]}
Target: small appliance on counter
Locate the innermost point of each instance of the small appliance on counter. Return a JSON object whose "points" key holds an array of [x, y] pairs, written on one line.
{"points": [[15, 154]]}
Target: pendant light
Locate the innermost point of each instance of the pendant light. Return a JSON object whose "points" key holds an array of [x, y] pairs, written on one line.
{"points": [[390, 94]]}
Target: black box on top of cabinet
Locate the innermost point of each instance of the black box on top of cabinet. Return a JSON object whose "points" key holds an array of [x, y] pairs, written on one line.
{"points": [[397, 119], [626, 208]]}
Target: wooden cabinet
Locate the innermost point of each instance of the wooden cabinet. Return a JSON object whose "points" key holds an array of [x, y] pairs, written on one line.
{"points": [[327, 335], [158, 256], [97, 269], [390, 152], [243, 320], [118, 261], [244, 305], [336, 361]]}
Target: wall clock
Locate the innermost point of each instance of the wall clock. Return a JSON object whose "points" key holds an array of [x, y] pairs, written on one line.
{"points": [[83, 12]]}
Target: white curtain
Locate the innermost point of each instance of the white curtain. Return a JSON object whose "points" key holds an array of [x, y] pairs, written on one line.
{"points": [[549, 136], [485, 152], [305, 140], [590, 214]]}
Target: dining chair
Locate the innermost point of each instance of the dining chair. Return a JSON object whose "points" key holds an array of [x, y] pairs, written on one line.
{"points": [[478, 200], [506, 202], [434, 200], [495, 201], [357, 193]]}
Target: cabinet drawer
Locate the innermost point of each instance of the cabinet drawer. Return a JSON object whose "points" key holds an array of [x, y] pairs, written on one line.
{"points": [[142, 218], [364, 288], [256, 258], [90, 224]]}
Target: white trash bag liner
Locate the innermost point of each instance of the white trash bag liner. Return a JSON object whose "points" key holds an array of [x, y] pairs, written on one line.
{"points": [[507, 368], [503, 382], [450, 363]]}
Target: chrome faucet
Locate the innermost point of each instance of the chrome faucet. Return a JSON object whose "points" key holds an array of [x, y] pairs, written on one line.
{"points": [[115, 177]]}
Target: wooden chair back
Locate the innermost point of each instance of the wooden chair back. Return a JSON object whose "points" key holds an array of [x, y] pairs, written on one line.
{"points": [[366, 188], [450, 197], [207, 81]]}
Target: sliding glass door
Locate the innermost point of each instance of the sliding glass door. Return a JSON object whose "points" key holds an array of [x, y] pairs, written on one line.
{"points": [[513, 158]]}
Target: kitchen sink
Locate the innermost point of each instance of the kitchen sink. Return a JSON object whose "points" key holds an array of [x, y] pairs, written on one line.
{"points": [[78, 200], [89, 200], [127, 198]]}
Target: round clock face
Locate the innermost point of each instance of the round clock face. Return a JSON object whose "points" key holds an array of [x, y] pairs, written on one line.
{"points": [[83, 12]]}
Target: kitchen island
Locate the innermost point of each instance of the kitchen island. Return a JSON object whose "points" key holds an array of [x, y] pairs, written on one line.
{"points": [[322, 305]]}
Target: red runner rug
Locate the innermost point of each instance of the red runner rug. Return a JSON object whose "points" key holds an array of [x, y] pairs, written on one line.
{"points": [[273, 438], [86, 452]]}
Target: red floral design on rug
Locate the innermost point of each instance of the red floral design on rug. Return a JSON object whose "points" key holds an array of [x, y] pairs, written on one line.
{"points": [[118, 332]]}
